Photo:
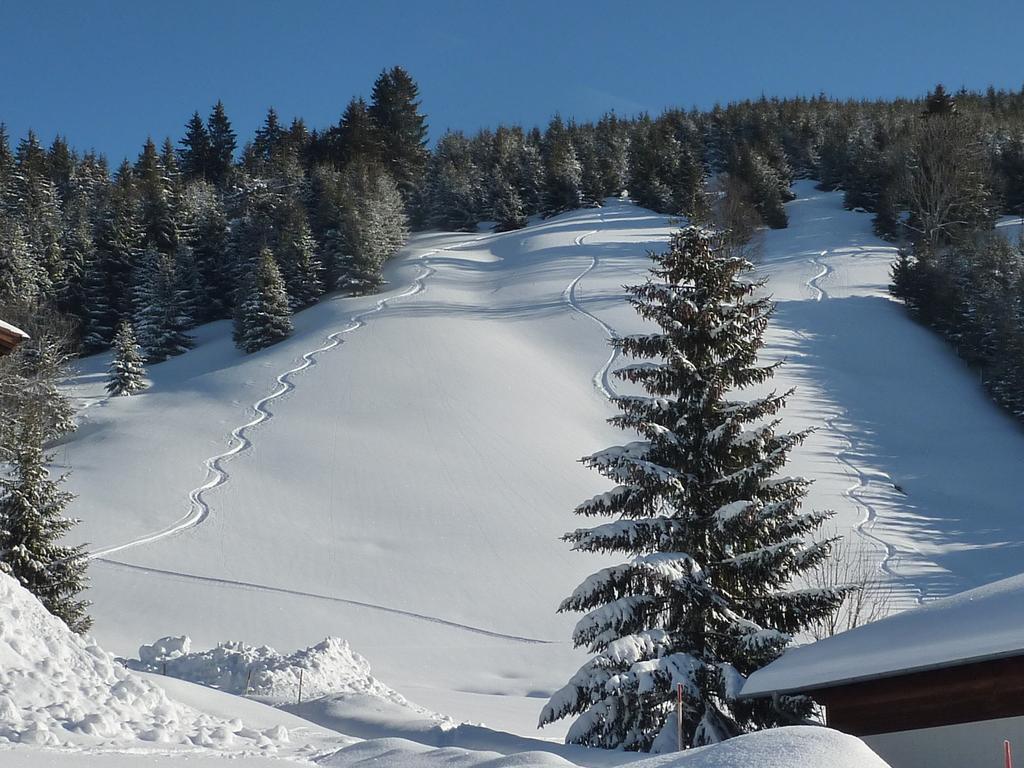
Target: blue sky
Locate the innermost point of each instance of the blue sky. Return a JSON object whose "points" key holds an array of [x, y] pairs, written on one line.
{"points": [[107, 73]]}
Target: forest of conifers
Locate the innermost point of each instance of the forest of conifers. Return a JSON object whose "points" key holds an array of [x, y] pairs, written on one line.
{"points": [[205, 226]]}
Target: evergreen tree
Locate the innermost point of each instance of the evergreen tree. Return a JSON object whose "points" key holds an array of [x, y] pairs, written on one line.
{"points": [[40, 364], [195, 149], [127, 375], [373, 225], [715, 536], [32, 522], [108, 279], [269, 138], [296, 255], [157, 216], [223, 143], [768, 189], [355, 137], [6, 164], [160, 314], [206, 224], [39, 211], [20, 278], [509, 212], [400, 128], [455, 185], [263, 317], [563, 173]]}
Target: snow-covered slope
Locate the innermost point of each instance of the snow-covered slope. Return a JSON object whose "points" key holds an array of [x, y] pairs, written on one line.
{"points": [[407, 488]]}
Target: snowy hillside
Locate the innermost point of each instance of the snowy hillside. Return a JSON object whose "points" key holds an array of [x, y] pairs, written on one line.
{"points": [[411, 460]]}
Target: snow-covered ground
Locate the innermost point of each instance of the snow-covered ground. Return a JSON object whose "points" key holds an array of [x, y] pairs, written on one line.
{"points": [[406, 485]]}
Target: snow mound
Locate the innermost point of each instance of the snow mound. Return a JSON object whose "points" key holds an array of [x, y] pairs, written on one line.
{"points": [[399, 753], [57, 688], [795, 747], [330, 667]]}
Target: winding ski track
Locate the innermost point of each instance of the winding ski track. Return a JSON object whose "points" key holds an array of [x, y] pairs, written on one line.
{"points": [[217, 475], [239, 440], [601, 379], [864, 527]]}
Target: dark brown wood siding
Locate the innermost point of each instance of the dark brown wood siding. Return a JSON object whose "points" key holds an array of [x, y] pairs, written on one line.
{"points": [[961, 694], [8, 340]]}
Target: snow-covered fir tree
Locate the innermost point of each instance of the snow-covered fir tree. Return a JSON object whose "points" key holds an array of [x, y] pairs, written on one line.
{"points": [[373, 225], [263, 316], [160, 308], [127, 374], [714, 535], [296, 254], [37, 366], [32, 523], [509, 211], [563, 173]]}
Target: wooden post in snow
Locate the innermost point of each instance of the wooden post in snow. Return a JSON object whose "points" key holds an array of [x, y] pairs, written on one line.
{"points": [[248, 677], [679, 716], [1008, 758], [300, 686]]}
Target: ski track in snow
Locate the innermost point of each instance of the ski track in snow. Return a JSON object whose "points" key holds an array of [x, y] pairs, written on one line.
{"points": [[248, 585], [217, 475], [865, 527], [601, 377]]}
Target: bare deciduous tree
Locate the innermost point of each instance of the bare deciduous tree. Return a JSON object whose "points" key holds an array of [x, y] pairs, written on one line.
{"points": [[853, 566]]}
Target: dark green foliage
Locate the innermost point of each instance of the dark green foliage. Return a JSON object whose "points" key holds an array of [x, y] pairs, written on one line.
{"points": [[222, 142], [454, 185], [127, 374], [206, 227], [373, 225], [161, 316], [665, 173], [263, 316], [400, 128], [563, 174], [715, 536], [195, 149], [153, 189], [769, 189], [973, 294], [296, 256], [32, 523]]}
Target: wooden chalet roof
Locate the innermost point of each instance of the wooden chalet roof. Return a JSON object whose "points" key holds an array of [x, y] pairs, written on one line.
{"points": [[10, 337], [981, 625]]}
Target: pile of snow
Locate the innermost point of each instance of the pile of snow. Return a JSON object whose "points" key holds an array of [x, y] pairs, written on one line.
{"points": [[330, 667], [794, 747], [797, 747], [57, 688]]}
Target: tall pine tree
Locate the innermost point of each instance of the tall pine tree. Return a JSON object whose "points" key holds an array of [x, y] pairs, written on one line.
{"points": [[127, 375], [32, 523], [714, 535], [263, 316]]}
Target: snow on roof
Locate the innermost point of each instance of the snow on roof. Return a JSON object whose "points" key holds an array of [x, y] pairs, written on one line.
{"points": [[978, 625], [12, 330]]}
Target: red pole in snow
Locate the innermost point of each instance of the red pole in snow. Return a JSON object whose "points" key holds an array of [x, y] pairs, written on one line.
{"points": [[679, 716], [1006, 754]]}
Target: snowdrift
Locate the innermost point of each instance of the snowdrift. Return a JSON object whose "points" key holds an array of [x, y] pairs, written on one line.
{"points": [[798, 747], [329, 667], [57, 688]]}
